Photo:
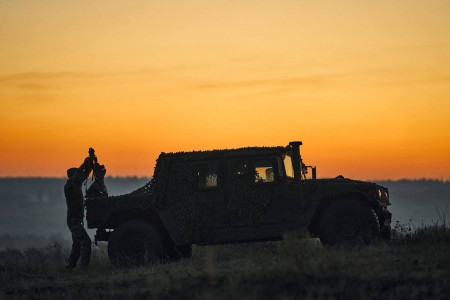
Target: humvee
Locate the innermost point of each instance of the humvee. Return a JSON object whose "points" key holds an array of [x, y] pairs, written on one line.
{"points": [[233, 196]]}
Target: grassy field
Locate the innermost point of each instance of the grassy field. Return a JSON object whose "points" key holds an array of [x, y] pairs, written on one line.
{"points": [[413, 265]]}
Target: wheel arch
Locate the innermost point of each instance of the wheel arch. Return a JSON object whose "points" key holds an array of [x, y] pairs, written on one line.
{"points": [[328, 200], [163, 222], [135, 242]]}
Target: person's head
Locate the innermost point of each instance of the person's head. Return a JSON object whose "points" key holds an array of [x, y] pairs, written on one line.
{"points": [[99, 171], [71, 172]]}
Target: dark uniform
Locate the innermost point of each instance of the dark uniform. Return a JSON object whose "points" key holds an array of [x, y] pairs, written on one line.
{"points": [[98, 187], [81, 243]]}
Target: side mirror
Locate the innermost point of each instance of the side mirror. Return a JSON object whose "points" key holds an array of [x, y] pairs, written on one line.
{"points": [[314, 172]]}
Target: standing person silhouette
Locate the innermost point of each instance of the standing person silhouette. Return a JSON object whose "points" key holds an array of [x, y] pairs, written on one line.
{"points": [[98, 187], [81, 242]]}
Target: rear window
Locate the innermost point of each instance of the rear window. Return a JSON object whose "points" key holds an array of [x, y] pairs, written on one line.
{"points": [[207, 176]]}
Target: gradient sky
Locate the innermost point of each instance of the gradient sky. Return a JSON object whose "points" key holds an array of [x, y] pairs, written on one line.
{"points": [[364, 84]]}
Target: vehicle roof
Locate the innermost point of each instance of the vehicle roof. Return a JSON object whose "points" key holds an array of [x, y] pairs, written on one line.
{"points": [[212, 154]]}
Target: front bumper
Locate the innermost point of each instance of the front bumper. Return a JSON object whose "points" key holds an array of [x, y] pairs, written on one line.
{"points": [[386, 217]]}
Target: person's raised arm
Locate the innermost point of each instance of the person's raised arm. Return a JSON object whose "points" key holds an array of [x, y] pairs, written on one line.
{"points": [[86, 167]]}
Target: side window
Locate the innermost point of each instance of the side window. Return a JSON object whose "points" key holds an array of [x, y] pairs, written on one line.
{"points": [[207, 176], [264, 171], [288, 166]]}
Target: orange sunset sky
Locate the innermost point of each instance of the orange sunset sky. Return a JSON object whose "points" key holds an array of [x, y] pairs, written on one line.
{"points": [[364, 84]]}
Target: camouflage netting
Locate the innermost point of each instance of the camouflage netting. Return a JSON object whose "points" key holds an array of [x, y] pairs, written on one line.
{"points": [[177, 186], [141, 199], [211, 154], [247, 199], [189, 204], [334, 187], [132, 201]]}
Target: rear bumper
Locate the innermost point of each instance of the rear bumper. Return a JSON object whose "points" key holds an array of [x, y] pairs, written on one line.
{"points": [[96, 218], [101, 235]]}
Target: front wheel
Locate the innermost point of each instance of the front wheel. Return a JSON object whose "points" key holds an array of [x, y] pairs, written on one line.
{"points": [[135, 242], [386, 233], [348, 222]]}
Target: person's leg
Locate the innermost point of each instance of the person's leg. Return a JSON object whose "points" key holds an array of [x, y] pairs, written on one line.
{"points": [[82, 239], [85, 242], [75, 253]]}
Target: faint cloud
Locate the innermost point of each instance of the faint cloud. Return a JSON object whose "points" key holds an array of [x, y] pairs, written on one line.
{"points": [[38, 81], [40, 98], [35, 76], [293, 81], [243, 59], [31, 86], [380, 76], [422, 46], [190, 66], [433, 80]]}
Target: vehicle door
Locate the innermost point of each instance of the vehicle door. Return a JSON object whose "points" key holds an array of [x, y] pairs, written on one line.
{"points": [[195, 197], [253, 191]]}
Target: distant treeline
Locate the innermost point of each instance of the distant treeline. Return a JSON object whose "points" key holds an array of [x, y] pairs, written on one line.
{"points": [[41, 189]]}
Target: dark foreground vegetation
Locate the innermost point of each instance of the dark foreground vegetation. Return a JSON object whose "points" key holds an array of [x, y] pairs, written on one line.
{"points": [[413, 265]]}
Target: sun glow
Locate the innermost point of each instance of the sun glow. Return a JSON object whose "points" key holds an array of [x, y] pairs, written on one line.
{"points": [[365, 86]]}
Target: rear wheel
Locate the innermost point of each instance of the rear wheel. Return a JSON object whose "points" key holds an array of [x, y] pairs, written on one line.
{"points": [[348, 222], [135, 242], [185, 250]]}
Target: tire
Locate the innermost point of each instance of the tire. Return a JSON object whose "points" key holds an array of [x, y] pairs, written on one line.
{"points": [[135, 243], [175, 253], [348, 222], [185, 250], [386, 233]]}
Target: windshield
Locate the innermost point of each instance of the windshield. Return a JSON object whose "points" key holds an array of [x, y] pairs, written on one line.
{"points": [[288, 166]]}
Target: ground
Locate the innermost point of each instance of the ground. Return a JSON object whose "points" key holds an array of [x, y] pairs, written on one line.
{"points": [[413, 265]]}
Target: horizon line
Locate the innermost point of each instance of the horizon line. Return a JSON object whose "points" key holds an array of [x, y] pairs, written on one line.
{"points": [[150, 177]]}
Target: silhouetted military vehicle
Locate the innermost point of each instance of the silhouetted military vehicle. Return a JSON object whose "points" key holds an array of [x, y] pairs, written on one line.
{"points": [[230, 196]]}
